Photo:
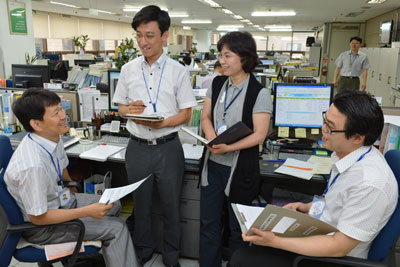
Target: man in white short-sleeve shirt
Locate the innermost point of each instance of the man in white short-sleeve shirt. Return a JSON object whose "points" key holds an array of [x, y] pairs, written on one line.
{"points": [[155, 84], [360, 197]]}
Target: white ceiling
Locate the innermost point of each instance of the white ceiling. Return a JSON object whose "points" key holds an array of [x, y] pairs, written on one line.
{"points": [[310, 13]]}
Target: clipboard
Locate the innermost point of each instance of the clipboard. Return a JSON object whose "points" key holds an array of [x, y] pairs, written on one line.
{"points": [[143, 117]]}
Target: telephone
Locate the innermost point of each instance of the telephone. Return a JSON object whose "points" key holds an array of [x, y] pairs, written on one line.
{"points": [[82, 133]]}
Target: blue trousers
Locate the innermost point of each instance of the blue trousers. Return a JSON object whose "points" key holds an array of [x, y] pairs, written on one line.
{"points": [[212, 200]]}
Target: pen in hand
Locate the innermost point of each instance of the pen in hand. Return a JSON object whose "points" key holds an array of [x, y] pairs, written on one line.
{"points": [[108, 201], [130, 101]]}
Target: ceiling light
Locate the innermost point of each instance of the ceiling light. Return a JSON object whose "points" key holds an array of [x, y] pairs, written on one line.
{"points": [[131, 9], [245, 20], [376, 1], [277, 26], [238, 17], [177, 15], [105, 12], [187, 27], [227, 29], [210, 3], [257, 26], [273, 14], [227, 11], [280, 30], [198, 21], [260, 37], [250, 23], [230, 26], [62, 4]]}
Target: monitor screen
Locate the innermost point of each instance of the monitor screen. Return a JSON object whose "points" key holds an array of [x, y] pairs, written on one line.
{"points": [[385, 34], [267, 61], [84, 62], [28, 76], [301, 105], [113, 77]]}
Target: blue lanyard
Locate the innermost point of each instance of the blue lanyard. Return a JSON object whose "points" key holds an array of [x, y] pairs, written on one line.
{"points": [[231, 102], [52, 160], [154, 104], [337, 175]]}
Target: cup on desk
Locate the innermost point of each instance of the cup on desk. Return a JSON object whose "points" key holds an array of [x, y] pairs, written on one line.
{"points": [[97, 122], [91, 132]]}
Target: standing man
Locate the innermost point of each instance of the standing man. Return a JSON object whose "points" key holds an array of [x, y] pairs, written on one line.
{"points": [[150, 84], [350, 64]]}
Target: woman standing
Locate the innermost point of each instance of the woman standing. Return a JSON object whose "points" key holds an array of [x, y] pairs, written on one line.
{"points": [[231, 171]]}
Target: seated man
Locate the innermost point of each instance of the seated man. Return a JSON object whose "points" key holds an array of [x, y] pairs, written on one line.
{"points": [[35, 176], [217, 71], [360, 197]]}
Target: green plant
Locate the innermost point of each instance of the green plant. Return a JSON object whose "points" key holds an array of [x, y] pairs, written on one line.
{"points": [[212, 51], [30, 60], [126, 52], [194, 47], [81, 41]]}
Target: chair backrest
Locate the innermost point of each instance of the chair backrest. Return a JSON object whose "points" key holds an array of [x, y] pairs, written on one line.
{"points": [[8, 204], [381, 245]]}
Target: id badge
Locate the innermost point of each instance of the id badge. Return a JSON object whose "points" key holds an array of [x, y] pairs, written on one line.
{"points": [[221, 128], [65, 197], [317, 207]]}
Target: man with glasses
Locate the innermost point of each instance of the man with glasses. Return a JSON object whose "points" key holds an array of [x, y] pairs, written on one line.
{"points": [[155, 84], [360, 196]]}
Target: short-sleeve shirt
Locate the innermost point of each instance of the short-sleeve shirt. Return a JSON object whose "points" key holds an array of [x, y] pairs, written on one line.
{"points": [[139, 81], [234, 112], [363, 197], [352, 65], [32, 178]]}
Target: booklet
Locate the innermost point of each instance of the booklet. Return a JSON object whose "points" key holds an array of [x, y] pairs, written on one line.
{"points": [[282, 222], [234, 133], [297, 168], [144, 117]]}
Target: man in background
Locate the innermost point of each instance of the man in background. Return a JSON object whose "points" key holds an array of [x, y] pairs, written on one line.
{"points": [[217, 71]]}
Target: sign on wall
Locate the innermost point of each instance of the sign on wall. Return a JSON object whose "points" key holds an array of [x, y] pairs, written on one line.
{"points": [[17, 17]]}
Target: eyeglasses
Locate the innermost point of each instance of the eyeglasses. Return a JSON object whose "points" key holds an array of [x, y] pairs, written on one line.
{"points": [[148, 37], [330, 131]]}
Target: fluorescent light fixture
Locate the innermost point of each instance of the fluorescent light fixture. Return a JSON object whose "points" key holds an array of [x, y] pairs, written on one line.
{"points": [[230, 26], [131, 9], [250, 23], [210, 3], [245, 20], [227, 11], [187, 27], [260, 37], [257, 26], [196, 21], [227, 29], [105, 12], [238, 17], [178, 15], [62, 4], [376, 1], [273, 14], [277, 26], [280, 30]]}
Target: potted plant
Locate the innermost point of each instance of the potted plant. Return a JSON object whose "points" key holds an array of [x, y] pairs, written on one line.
{"points": [[124, 53], [81, 41], [30, 60]]}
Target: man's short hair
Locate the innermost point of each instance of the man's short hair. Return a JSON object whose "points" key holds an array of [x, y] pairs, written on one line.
{"points": [[217, 64], [364, 116], [187, 60], [243, 44], [152, 13], [32, 106], [357, 38]]}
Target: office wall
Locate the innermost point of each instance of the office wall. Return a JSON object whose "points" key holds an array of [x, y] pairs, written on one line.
{"points": [[372, 27]]}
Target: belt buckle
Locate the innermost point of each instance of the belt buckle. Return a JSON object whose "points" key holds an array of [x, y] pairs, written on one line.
{"points": [[152, 142]]}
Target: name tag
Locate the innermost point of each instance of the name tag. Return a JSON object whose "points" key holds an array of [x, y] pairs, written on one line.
{"points": [[64, 195], [317, 207]]}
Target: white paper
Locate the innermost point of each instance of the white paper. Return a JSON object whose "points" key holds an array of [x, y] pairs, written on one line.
{"points": [[249, 213], [113, 194], [87, 103], [101, 152], [395, 120], [324, 164], [297, 168], [101, 102], [55, 251], [283, 225], [192, 151], [198, 137]]}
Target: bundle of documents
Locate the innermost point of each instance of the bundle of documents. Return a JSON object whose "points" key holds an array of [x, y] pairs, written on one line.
{"points": [[144, 117], [283, 222], [101, 152], [297, 168]]}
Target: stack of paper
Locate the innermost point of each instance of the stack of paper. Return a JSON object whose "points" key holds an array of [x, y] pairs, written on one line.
{"points": [[101, 152], [324, 164], [297, 168]]}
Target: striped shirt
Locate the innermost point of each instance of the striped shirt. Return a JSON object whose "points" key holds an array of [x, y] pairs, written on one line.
{"points": [[32, 178], [352, 65]]}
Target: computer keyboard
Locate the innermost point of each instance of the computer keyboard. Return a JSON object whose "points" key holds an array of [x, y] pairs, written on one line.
{"points": [[285, 155], [115, 139]]}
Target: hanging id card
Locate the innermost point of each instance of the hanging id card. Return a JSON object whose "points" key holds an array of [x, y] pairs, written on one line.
{"points": [[65, 197], [221, 128], [317, 207]]}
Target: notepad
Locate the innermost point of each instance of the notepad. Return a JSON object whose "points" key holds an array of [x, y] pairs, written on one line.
{"points": [[297, 168], [101, 152], [143, 117]]}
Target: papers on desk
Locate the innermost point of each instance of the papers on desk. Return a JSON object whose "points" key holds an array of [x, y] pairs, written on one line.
{"points": [[101, 152], [144, 117], [324, 164], [192, 151], [297, 168], [111, 195], [281, 221]]}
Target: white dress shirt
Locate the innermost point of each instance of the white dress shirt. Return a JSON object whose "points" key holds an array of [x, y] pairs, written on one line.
{"points": [[363, 197], [175, 92], [31, 177], [352, 65]]}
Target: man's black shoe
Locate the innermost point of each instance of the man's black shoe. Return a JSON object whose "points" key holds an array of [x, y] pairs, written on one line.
{"points": [[176, 265], [144, 260]]}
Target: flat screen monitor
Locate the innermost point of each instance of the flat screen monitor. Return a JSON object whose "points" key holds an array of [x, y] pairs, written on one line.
{"points": [[59, 69], [267, 61], [84, 62], [28, 76], [113, 77], [301, 105], [52, 56], [385, 34]]}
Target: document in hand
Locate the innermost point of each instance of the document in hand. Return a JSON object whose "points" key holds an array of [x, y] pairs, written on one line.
{"points": [[111, 195], [283, 222], [144, 117], [297, 168]]}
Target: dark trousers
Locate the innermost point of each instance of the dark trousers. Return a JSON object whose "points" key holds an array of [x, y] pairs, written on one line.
{"points": [[212, 200], [258, 256], [166, 164], [345, 83]]}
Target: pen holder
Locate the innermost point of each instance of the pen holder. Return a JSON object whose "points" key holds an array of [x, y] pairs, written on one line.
{"points": [[108, 118], [98, 123]]}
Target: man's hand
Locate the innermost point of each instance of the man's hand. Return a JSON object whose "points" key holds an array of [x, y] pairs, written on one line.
{"points": [[151, 124], [260, 238], [136, 107], [219, 149], [335, 84], [363, 86], [98, 210], [298, 206]]}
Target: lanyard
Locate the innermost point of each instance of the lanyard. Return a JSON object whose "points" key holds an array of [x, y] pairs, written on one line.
{"points": [[337, 175], [154, 104], [232, 100], [52, 160], [354, 59]]}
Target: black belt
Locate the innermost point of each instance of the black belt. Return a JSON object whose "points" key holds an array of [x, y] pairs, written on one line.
{"points": [[157, 141], [350, 77]]}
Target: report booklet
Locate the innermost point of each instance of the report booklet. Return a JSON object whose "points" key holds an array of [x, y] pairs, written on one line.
{"points": [[144, 117], [282, 222]]}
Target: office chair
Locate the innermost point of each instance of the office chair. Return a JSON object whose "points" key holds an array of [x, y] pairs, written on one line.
{"points": [[381, 252], [16, 223]]}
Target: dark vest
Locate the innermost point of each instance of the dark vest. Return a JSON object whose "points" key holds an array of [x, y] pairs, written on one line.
{"points": [[245, 183]]}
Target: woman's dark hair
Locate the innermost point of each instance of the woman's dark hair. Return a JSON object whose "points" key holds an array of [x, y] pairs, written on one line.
{"points": [[364, 116], [152, 13], [32, 106], [243, 44]]}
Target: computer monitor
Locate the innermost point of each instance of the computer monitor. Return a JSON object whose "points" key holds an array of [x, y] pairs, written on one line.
{"points": [[267, 61], [59, 69], [84, 62], [113, 77], [28, 76], [301, 105], [52, 56]]}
